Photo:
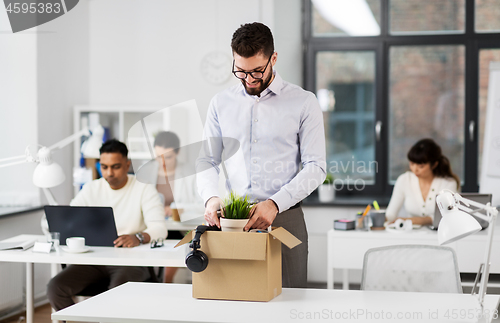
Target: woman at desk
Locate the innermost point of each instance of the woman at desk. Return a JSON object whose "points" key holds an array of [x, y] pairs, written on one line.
{"points": [[172, 185], [430, 172]]}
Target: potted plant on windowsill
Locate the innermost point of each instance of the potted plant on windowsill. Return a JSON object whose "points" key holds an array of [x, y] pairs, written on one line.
{"points": [[236, 211], [326, 191]]}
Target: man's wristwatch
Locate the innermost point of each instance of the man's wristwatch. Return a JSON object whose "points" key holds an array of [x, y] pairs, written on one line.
{"points": [[140, 237]]}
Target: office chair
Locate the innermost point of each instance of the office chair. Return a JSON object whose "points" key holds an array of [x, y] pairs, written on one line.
{"points": [[411, 268]]}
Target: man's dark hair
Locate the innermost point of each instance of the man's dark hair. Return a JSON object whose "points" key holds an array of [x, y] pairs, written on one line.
{"points": [[252, 39], [168, 139], [114, 146]]}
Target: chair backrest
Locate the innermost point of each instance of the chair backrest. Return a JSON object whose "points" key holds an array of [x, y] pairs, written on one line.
{"points": [[411, 268]]}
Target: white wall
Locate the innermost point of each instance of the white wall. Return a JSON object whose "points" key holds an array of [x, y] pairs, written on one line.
{"points": [[18, 111], [151, 54], [63, 81]]}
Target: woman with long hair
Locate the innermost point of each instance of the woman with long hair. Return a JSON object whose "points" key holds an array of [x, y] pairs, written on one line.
{"points": [[430, 172]]}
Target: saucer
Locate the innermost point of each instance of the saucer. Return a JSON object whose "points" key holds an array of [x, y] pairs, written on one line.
{"points": [[66, 249]]}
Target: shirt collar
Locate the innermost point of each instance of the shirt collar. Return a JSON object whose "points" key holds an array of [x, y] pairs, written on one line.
{"points": [[277, 84]]}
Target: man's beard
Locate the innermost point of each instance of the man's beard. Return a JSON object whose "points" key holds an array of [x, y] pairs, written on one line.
{"points": [[258, 90]]}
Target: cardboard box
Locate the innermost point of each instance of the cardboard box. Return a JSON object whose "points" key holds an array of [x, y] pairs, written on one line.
{"points": [[241, 265]]}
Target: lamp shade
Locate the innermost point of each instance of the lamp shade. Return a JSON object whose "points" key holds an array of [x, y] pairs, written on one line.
{"points": [[456, 225], [90, 148], [46, 176]]}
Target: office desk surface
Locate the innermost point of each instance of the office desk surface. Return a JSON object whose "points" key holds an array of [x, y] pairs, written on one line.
{"points": [[174, 303], [184, 226], [165, 256]]}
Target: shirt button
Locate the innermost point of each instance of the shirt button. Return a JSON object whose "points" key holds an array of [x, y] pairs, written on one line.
{"points": [[257, 100], [433, 190], [423, 205], [254, 182], [256, 120], [430, 198], [255, 140], [254, 161]]}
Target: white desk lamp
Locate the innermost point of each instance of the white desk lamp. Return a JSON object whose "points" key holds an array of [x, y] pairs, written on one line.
{"points": [[48, 173], [457, 223]]}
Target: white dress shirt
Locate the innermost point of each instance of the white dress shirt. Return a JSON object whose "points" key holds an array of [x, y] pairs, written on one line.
{"points": [[278, 133], [407, 191]]}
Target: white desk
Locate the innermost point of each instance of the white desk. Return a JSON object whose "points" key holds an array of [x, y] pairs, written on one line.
{"points": [[184, 226], [143, 255], [174, 303], [346, 249]]}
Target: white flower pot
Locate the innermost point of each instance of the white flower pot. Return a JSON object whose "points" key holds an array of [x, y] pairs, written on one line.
{"points": [[326, 192], [232, 225]]}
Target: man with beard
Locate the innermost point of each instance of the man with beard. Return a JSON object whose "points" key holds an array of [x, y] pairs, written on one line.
{"points": [[139, 217], [282, 158]]}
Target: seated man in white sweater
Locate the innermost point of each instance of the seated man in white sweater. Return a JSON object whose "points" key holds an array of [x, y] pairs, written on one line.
{"points": [[139, 218]]}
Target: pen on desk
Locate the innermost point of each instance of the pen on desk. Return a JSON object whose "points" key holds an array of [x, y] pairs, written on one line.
{"points": [[368, 208]]}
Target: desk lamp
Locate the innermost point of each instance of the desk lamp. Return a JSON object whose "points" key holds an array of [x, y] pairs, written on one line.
{"points": [[48, 173], [457, 223]]}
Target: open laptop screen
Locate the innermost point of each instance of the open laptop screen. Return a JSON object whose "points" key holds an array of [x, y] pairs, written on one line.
{"points": [[95, 223]]}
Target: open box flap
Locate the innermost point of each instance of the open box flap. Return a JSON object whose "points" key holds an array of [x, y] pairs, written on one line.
{"points": [[280, 233], [285, 237], [187, 238]]}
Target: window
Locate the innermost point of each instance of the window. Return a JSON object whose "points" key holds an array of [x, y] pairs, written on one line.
{"points": [[411, 69], [427, 16], [485, 57], [345, 86], [487, 13], [426, 99]]}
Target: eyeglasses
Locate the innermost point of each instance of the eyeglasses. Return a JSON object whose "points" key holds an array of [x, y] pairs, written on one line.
{"points": [[158, 243], [257, 75]]}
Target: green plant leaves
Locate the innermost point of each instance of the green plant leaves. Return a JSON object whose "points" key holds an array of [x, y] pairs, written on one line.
{"points": [[237, 207]]}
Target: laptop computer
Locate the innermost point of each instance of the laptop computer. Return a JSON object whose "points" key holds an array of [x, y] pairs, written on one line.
{"points": [[95, 223], [477, 197]]}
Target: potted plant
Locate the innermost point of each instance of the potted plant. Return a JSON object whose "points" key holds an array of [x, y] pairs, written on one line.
{"points": [[236, 211], [326, 191]]}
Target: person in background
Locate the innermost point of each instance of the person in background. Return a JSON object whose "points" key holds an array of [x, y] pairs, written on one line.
{"points": [[138, 216], [167, 147], [173, 184], [430, 172]]}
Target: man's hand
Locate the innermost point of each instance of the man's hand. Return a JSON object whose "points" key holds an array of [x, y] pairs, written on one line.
{"points": [[214, 204], [168, 211], [262, 215], [127, 241]]}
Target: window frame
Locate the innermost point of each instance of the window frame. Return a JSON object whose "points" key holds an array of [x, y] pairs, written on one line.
{"points": [[381, 44]]}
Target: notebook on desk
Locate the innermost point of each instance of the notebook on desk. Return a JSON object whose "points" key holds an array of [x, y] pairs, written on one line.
{"points": [[95, 223], [477, 197]]}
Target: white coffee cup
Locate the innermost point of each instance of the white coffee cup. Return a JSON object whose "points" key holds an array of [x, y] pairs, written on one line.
{"points": [[75, 243]]}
